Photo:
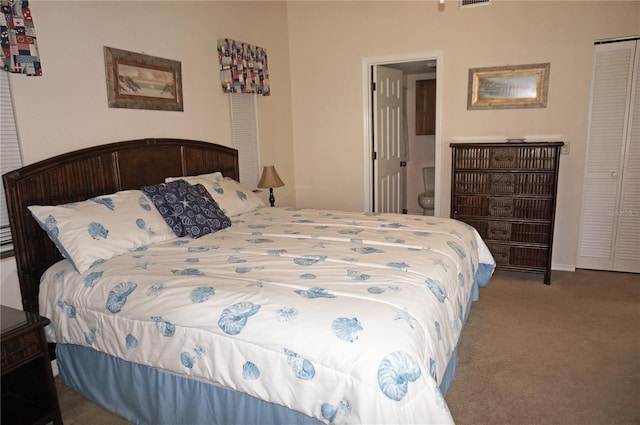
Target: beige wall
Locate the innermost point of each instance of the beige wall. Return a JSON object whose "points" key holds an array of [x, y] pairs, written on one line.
{"points": [[328, 41], [66, 108]]}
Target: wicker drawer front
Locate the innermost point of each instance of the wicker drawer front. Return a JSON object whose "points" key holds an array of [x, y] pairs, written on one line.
{"points": [[504, 231], [501, 207], [476, 158], [508, 255], [533, 209], [530, 233], [500, 253], [528, 257], [470, 206], [502, 183], [536, 158], [471, 183], [503, 158], [499, 230], [534, 184]]}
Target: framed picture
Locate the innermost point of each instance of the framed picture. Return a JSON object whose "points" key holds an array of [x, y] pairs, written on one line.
{"points": [[138, 81], [503, 87]]}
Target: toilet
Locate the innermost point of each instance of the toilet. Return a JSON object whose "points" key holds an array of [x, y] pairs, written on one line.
{"points": [[425, 199]]}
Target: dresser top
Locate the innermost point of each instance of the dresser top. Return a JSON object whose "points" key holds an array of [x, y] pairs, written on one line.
{"points": [[503, 144], [12, 319]]}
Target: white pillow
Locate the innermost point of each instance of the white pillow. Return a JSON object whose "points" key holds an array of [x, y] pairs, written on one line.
{"points": [[234, 198], [92, 231], [230, 195], [201, 178]]}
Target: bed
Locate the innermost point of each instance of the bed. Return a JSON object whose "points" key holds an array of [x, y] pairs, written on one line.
{"points": [[277, 315]]}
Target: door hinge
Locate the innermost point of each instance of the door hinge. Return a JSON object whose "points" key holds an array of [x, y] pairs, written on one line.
{"points": [[373, 86], [374, 156]]}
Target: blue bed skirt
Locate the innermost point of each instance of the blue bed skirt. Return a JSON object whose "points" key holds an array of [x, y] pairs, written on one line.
{"points": [[144, 395]]}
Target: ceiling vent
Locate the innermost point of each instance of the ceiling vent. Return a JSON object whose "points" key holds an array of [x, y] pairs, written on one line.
{"points": [[473, 3]]}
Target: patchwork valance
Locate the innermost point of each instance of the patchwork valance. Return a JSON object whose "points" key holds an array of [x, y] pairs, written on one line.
{"points": [[18, 38], [243, 67]]}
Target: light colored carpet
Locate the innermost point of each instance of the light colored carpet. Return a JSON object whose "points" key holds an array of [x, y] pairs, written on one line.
{"points": [[565, 354]]}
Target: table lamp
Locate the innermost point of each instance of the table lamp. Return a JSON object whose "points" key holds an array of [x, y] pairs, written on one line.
{"points": [[270, 179]]}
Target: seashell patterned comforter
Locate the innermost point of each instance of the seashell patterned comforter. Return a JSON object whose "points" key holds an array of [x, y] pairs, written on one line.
{"points": [[345, 317]]}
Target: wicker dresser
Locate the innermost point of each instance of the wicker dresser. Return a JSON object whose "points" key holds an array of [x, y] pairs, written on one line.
{"points": [[507, 191]]}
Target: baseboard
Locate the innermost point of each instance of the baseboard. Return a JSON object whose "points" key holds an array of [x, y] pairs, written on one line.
{"points": [[563, 267]]}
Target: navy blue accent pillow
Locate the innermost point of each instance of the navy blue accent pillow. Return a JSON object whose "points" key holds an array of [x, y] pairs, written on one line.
{"points": [[164, 196], [199, 213]]}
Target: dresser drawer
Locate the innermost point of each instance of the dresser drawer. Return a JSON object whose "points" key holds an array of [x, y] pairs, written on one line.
{"points": [[16, 350], [520, 256], [528, 256], [503, 207], [531, 233], [503, 158], [471, 182], [499, 230]]}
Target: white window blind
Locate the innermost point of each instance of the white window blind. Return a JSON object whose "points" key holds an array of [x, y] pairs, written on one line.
{"points": [[244, 137], [10, 158]]}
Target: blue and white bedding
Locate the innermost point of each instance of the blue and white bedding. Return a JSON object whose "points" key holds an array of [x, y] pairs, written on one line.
{"points": [[345, 317]]}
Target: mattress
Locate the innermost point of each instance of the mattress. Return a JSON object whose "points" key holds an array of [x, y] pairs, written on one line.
{"points": [[344, 317]]}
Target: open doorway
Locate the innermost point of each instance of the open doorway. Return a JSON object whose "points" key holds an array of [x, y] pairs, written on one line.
{"points": [[420, 149]]}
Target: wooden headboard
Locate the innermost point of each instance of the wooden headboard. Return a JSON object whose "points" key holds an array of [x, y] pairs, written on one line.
{"points": [[90, 172]]}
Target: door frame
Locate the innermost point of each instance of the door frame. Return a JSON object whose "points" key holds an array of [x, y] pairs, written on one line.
{"points": [[367, 114]]}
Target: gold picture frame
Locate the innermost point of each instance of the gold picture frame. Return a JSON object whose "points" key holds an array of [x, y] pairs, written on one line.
{"points": [[139, 81], [506, 87]]}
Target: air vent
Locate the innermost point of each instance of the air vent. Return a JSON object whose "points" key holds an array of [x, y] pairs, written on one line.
{"points": [[473, 3]]}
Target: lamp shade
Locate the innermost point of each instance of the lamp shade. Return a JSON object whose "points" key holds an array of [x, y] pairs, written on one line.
{"points": [[270, 178]]}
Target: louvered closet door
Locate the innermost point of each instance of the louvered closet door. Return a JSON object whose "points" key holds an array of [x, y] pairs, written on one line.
{"points": [[610, 226], [627, 247]]}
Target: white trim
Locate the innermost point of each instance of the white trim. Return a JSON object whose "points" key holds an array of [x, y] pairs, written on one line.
{"points": [[478, 139], [367, 106], [563, 267]]}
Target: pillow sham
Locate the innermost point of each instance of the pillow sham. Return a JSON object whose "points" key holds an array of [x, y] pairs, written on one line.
{"points": [[200, 178], [199, 212], [231, 196], [92, 231], [234, 198], [164, 196], [188, 209]]}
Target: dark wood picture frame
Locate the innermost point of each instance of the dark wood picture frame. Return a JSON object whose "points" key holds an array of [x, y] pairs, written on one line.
{"points": [[139, 81]]}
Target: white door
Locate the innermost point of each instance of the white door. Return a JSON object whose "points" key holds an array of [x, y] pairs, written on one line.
{"points": [[627, 248], [610, 222], [387, 136]]}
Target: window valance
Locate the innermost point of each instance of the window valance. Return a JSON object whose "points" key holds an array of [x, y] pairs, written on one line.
{"points": [[18, 38], [243, 67]]}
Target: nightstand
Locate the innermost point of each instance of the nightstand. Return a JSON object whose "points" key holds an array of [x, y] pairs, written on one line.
{"points": [[28, 389]]}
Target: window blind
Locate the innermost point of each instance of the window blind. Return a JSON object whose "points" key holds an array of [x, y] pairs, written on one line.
{"points": [[10, 158], [244, 137]]}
